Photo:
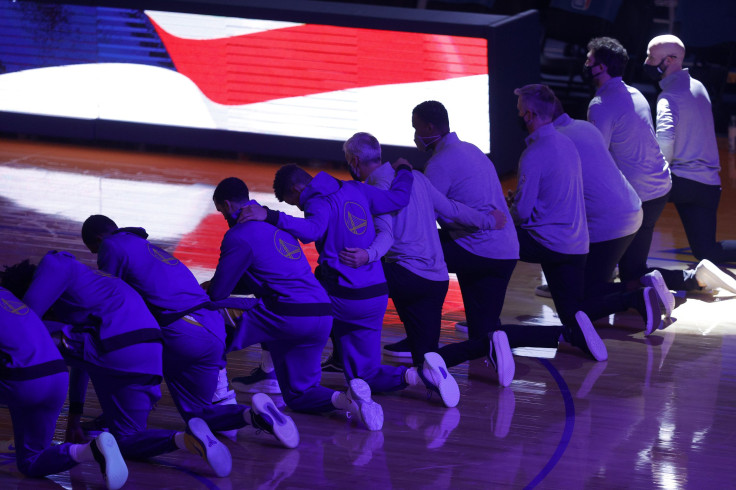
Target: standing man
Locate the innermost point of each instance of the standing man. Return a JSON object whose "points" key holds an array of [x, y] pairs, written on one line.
{"points": [[413, 262], [624, 118], [687, 139], [338, 215], [548, 208]]}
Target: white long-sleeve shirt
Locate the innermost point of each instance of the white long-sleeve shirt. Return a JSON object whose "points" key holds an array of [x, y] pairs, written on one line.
{"points": [[463, 173], [685, 130], [549, 200], [612, 207], [624, 118]]}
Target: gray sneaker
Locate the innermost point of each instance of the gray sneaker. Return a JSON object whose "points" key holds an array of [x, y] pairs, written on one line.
{"points": [[714, 278], [656, 281]]}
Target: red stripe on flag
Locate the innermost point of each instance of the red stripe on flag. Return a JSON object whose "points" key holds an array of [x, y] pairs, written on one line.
{"points": [[311, 59]]}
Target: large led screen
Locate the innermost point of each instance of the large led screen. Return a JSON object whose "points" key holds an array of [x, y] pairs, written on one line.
{"points": [[245, 75]]}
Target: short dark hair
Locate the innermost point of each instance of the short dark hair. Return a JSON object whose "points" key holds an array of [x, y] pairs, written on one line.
{"points": [[433, 112], [94, 226], [18, 278], [231, 189], [611, 53], [287, 177]]}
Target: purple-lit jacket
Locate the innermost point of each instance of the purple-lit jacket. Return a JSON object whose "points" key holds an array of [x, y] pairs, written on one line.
{"points": [[275, 268], [337, 216], [26, 348], [168, 286], [107, 313]]}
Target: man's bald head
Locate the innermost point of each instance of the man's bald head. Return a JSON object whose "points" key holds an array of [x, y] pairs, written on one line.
{"points": [[667, 53]]}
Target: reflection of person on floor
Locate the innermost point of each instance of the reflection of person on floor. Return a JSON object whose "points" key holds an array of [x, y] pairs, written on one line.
{"points": [[33, 384], [407, 240], [113, 336], [293, 313], [548, 208], [338, 215], [193, 336]]}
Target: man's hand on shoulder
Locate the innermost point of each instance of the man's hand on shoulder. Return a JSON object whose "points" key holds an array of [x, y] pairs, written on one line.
{"points": [[252, 212], [401, 162]]}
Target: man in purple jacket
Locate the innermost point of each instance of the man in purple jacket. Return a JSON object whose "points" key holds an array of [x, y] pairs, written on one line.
{"points": [[33, 383], [338, 215], [292, 315], [193, 335], [110, 333]]}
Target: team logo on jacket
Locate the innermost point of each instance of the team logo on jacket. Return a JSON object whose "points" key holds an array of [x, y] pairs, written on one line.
{"points": [[356, 219], [162, 255], [15, 307], [287, 245]]}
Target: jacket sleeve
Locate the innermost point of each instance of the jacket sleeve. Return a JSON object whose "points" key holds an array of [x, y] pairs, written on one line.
{"points": [[393, 199], [49, 283], [666, 122], [235, 258], [308, 229], [458, 212]]}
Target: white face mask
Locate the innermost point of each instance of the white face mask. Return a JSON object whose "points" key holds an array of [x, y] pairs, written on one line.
{"points": [[424, 142]]}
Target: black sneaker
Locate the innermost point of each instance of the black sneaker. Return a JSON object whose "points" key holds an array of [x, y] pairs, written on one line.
{"points": [[332, 365], [647, 304], [265, 416], [107, 454], [583, 336], [259, 381], [398, 350]]}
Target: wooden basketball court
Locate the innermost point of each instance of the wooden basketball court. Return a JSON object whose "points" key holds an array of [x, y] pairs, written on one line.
{"points": [[658, 414]]}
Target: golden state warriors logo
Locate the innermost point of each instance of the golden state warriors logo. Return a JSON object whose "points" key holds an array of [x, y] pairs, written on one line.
{"points": [[356, 219], [15, 307], [286, 245], [162, 255]]}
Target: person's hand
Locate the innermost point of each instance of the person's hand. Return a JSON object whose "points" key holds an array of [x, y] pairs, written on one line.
{"points": [[354, 257], [510, 198], [74, 432], [252, 212], [401, 161], [500, 218]]}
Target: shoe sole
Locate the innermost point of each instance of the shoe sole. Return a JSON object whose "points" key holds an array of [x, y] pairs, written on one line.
{"points": [[116, 471], [653, 321], [461, 327], [370, 412], [264, 386], [504, 358], [592, 340], [215, 453], [542, 293], [436, 371], [397, 354], [713, 277], [665, 296], [284, 428]]}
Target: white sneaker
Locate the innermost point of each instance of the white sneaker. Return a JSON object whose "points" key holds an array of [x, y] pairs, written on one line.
{"points": [[591, 342], [709, 274], [501, 357], [437, 378], [655, 280], [543, 291], [267, 417], [106, 452], [362, 405], [199, 440]]}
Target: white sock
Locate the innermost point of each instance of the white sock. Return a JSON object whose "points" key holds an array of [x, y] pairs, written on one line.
{"points": [[266, 361], [411, 376], [222, 380], [81, 452], [179, 440]]}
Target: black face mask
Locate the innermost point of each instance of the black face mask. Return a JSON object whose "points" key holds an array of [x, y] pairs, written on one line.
{"points": [[354, 175], [522, 124], [587, 73], [654, 72]]}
